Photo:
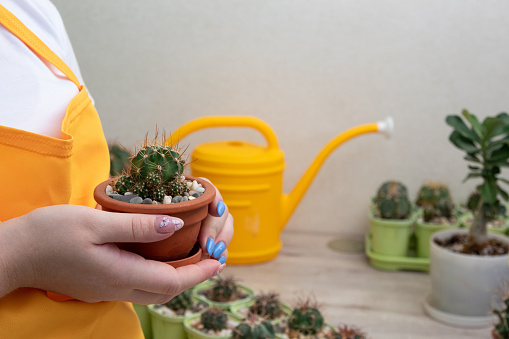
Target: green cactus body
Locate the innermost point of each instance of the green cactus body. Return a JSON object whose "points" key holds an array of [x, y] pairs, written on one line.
{"points": [[141, 190], [124, 184], [253, 329], [306, 320], [392, 201], [182, 302], [158, 194], [177, 187], [224, 289], [214, 319], [446, 208], [473, 201], [267, 305], [155, 159], [431, 194]]}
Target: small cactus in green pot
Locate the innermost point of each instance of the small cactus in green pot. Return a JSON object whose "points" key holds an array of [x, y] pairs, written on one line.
{"points": [[392, 202], [254, 328], [346, 332], [214, 319], [305, 319], [267, 305], [436, 203]]}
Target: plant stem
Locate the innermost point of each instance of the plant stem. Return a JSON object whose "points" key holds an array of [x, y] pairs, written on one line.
{"points": [[478, 233]]}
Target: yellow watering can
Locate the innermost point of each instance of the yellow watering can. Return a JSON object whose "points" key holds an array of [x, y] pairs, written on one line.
{"points": [[250, 179]]}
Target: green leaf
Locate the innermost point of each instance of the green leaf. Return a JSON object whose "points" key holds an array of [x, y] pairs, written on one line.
{"points": [[489, 192], [472, 157], [504, 117], [463, 143], [472, 175], [459, 126], [501, 154], [476, 125], [503, 193], [493, 127], [504, 180], [474, 168]]}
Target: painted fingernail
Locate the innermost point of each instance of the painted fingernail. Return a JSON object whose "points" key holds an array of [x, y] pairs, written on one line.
{"points": [[222, 259], [210, 246], [220, 247], [220, 208], [165, 224], [219, 269]]}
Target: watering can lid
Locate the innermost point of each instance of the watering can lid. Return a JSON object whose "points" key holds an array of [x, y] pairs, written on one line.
{"points": [[237, 154]]}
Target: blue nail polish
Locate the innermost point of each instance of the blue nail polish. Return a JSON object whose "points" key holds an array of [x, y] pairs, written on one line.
{"points": [[220, 247], [220, 208], [210, 246], [221, 259]]}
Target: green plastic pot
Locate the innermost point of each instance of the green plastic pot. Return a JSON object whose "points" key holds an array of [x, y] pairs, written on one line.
{"points": [[167, 326], [390, 237], [144, 317], [424, 231], [237, 309], [193, 333], [223, 305]]}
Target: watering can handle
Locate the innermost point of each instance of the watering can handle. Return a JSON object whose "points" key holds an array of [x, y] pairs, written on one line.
{"points": [[226, 121]]}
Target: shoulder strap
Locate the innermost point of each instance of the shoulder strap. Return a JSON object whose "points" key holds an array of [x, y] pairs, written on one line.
{"points": [[16, 27]]}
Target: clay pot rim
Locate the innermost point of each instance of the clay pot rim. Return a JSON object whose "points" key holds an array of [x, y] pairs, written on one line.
{"points": [[103, 199], [193, 257]]}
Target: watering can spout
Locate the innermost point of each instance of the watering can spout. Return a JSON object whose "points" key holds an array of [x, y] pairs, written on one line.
{"points": [[292, 200]]}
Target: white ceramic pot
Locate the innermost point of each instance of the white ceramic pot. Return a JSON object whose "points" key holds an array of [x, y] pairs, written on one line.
{"points": [[465, 288]]}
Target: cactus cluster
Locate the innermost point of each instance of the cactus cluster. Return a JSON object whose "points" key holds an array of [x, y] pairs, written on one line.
{"points": [[501, 329], [392, 201], [306, 319], [214, 319], [154, 171], [182, 302], [267, 305], [436, 202], [491, 211], [346, 332], [254, 328], [224, 290]]}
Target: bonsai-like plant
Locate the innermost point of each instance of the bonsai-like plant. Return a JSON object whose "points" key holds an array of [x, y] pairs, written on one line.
{"points": [[486, 146], [155, 171], [391, 201], [305, 319], [254, 327], [436, 203]]}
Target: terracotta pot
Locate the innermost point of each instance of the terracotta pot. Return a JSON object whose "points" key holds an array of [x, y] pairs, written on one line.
{"points": [[180, 244]]}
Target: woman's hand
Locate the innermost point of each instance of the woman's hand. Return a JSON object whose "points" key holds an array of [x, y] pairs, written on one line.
{"points": [[217, 230], [71, 250]]}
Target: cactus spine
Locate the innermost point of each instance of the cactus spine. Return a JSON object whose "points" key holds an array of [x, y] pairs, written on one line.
{"points": [[392, 201], [345, 332], [306, 319], [214, 319], [253, 328]]}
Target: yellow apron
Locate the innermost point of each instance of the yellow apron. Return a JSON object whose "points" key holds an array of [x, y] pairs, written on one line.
{"points": [[38, 171]]}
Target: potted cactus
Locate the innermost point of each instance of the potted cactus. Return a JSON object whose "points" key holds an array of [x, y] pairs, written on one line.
{"points": [[391, 220], [346, 332], [437, 212], [154, 184], [264, 305], [466, 266], [167, 320], [214, 322], [223, 292], [254, 327]]}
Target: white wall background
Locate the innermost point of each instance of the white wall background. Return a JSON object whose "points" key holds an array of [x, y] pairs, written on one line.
{"points": [[311, 69]]}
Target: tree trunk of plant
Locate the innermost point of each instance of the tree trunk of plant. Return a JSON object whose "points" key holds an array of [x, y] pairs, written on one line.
{"points": [[478, 234]]}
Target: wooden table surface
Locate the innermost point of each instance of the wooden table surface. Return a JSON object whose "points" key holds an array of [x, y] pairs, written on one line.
{"points": [[348, 289]]}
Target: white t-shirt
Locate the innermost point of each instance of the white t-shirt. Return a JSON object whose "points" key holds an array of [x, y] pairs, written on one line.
{"points": [[33, 94]]}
